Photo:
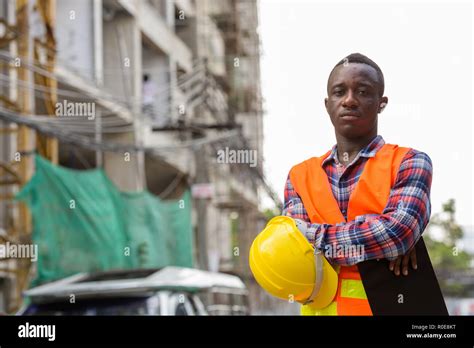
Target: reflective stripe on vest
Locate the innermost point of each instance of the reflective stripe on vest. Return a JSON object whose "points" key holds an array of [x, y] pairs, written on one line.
{"points": [[370, 196], [350, 297]]}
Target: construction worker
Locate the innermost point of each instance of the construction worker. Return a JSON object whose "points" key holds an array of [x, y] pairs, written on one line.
{"points": [[363, 195], [149, 96]]}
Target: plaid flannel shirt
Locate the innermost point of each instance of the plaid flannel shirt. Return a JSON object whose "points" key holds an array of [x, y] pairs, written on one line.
{"points": [[385, 235]]}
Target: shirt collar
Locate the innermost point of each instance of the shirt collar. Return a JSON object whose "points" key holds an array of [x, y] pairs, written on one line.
{"points": [[369, 151]]}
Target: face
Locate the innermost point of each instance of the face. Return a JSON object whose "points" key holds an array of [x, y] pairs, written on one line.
{"points": [[353, 101]]}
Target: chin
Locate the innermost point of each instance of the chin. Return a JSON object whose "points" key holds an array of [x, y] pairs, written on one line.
{"points": [[350, 132]]}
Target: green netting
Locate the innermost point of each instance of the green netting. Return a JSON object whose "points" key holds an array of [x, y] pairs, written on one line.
{"points": [[82, 222]]}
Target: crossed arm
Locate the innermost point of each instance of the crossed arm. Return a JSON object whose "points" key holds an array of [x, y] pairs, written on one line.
{"points": [[383, 236]]}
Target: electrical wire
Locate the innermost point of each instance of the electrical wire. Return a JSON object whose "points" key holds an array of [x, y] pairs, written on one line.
{"points": [[173, 184], [182, 81], [161, 96], [40, 88], [90, 143], [47, 125]]}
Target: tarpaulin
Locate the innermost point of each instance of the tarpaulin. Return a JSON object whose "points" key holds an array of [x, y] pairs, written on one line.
{"points": [[82, 222]]}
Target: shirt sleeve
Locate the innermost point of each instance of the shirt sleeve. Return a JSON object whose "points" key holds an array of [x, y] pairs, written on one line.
{"points": [[374, 236], [293, 205], [294, 208]]}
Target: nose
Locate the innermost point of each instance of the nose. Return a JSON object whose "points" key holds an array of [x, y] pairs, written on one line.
{"points": [[350, 101]]}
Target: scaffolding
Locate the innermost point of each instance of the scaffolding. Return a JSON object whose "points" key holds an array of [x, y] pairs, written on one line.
{"points": [[29, 124], [17, 166]]}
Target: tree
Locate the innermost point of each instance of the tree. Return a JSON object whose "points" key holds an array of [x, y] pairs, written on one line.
{"points": [[445, 255]]}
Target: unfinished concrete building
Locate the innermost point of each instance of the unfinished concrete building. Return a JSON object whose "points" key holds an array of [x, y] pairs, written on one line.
{"points": [[203, 59]]}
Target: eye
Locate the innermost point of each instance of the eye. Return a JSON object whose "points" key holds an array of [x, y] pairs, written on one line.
{"points": [[362, 92], [338, 92]]}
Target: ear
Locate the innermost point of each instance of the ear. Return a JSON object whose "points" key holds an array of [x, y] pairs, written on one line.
{"points": [[382, 104], [326, 103]]}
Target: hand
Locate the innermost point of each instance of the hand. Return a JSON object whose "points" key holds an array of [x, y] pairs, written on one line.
{"points": [[403, 260]]}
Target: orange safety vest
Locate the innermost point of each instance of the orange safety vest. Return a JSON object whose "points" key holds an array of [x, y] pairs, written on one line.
{"points": [[370, 196]]}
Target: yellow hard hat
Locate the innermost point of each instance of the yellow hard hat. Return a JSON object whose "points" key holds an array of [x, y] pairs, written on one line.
{"points": [[285, 264]]}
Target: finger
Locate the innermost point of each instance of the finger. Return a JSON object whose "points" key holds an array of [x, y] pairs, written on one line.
{"points": [[405, 260], [397, 265], [391, 265], [414, 262]]}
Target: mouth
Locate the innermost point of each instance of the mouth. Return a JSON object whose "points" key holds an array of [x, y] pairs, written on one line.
{"points": [[350, 116]]}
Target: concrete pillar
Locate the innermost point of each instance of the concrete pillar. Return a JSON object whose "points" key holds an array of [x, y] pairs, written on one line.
{"points": [[122, 53]]}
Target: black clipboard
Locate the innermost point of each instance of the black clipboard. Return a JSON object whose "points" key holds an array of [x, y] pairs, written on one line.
{"points": [[418, 293]]}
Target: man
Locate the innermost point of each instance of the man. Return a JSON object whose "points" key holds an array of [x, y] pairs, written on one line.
{"points": [[363, 193], [149, 95]]}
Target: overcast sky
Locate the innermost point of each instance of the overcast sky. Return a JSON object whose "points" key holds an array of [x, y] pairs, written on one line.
{"points": [[425, 52]]}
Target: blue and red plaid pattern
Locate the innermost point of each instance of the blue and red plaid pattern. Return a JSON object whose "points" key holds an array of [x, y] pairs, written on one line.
{"points": [[385, 235]]}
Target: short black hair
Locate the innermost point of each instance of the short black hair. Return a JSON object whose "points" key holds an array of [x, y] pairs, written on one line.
{"points": [[361, 59]]}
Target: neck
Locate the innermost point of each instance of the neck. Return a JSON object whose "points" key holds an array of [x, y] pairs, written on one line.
{"points": [[348, 148]]}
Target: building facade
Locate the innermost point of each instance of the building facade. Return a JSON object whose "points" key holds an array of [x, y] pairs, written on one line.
{"points": [[176, 80]]}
